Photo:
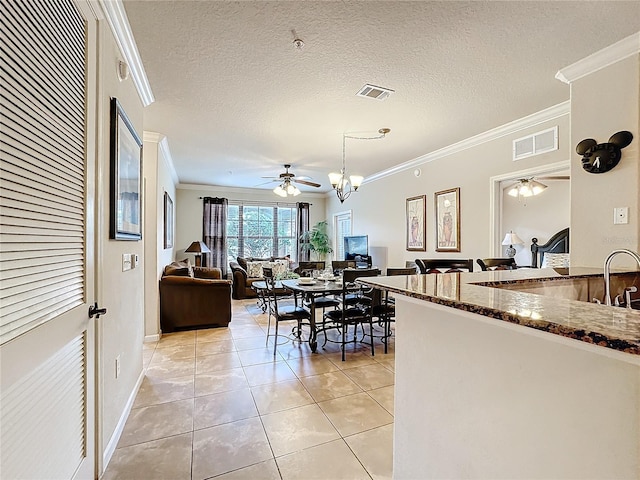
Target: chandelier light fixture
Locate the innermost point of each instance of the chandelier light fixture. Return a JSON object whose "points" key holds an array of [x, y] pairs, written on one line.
{"points": [[526, 187], [342, 184]]}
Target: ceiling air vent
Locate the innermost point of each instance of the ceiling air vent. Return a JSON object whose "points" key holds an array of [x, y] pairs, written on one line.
{"points": [[371, 91], [541, 142]]}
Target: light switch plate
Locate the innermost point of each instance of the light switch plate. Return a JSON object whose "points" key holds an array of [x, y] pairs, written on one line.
{"points": [[126, 262], [621, 215]]}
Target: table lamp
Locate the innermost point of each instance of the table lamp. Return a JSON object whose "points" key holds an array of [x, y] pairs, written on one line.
{"points": [[198, 248], [511, 239]]}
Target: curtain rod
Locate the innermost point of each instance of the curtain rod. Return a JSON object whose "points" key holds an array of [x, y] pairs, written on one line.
{"points": [[258, 201]]}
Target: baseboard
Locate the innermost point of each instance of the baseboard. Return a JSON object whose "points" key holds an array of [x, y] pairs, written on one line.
{"points": [[152, 338], [117, 433]]}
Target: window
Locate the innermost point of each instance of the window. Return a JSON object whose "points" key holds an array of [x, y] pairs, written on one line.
{"points": [[341, 229], [262, 230]]}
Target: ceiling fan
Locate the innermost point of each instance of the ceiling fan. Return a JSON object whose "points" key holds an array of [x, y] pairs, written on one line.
{"points": [[527, 187], [286, 178]]}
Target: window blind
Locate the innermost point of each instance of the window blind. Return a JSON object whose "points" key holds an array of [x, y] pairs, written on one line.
{"points": [[42, 162], [342, 223]]}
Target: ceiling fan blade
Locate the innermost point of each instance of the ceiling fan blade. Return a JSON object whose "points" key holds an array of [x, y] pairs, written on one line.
{"points": [[266, 183], [304, 182], [554, 177]]}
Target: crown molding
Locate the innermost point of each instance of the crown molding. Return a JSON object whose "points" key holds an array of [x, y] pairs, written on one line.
{"points": [[117, 18], [241, 190], [518, 125], [600, 59], [154, 137], [163, 146]]}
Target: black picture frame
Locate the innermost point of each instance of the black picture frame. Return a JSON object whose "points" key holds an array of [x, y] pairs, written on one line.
{"points": [[125, 216], [416, 213], [168, 221]]}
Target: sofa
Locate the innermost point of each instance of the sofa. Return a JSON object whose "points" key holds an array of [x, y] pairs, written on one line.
{"points": [[193, 297], [246, 270]]}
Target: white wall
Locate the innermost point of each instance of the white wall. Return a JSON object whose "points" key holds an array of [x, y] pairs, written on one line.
{"points": [[189, 209], [379, 206], [535, 217], [121, 331], [158, 180], [603, 103]]}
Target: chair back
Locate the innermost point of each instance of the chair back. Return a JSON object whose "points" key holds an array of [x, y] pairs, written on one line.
{"points": [[305, 269], [270, 296], [440, 265], [339, 265], [497, 263], [401, 271]]}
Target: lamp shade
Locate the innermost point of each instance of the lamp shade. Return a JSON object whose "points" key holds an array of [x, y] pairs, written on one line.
{"points": [[198, 247], [512, 239]]}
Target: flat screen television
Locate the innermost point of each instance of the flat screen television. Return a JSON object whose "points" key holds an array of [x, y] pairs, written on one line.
{"points": [[356, 245]]}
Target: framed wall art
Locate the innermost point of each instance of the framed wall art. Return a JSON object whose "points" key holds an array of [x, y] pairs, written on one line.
{"points": [[125, 219], [168, 221], [448, 220], [415, 225]]}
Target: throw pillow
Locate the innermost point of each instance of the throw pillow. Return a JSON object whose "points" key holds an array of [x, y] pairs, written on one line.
{"points": [[280, 267], [555, 260], [180, 269], [254, 269], [242, 262]]}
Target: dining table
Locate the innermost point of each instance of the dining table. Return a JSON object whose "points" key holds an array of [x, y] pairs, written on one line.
{"points": [[309, 292]]}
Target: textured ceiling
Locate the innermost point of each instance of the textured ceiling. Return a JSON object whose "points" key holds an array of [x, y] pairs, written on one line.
{"points": [[237, 100]]}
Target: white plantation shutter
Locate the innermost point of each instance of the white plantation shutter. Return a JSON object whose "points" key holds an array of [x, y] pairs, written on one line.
{"points": [[43, 412], [342, 228], [42, 162]]}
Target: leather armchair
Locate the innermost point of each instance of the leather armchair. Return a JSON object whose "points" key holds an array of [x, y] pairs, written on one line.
{"points": [[186, 302], [242, 282]]}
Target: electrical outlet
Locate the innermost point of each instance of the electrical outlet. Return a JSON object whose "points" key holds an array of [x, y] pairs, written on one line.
{"points": [[621, 215], [117, 366]]}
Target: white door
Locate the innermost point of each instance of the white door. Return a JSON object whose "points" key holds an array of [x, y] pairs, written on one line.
{"points": [[47, 178]]}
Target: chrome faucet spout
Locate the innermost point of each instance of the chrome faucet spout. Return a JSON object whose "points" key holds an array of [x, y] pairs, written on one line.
{"points": [[607, 271]]}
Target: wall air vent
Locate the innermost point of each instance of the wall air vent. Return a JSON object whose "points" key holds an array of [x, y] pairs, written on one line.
{"points": [[541, 142], [371, 91]]}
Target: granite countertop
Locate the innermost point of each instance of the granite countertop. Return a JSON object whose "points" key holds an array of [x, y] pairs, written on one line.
{"points": [[612, 327]]}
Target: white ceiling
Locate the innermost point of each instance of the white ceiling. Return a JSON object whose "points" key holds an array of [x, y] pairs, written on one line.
{"points": [[237, 100]]}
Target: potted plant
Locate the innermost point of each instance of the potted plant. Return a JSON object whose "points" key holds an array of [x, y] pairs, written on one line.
{"points": [[317, 240]]}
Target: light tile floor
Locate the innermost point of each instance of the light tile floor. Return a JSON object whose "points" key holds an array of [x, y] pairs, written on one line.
{"points": [[218, 404]]}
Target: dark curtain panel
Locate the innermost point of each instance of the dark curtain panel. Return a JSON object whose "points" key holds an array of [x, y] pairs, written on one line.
{"points": [[302, 222], [214, 232]]}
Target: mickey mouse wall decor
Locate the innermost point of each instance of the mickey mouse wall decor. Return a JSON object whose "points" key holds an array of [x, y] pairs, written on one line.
{"points": [[602, 157]]}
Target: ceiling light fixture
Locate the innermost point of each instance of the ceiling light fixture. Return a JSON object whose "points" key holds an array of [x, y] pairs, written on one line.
{"points": [[526, 187], [339, 181], [286, 188]]}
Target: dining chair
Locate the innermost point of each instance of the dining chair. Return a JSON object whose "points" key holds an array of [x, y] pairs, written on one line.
{"points": [[444, 265], [339, 265], [351, 314], [401, 271], [497, 263], [281, 313], [305, 269]]}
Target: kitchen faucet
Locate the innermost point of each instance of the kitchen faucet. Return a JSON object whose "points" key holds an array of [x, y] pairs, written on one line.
{"points": [[607, 271]]}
